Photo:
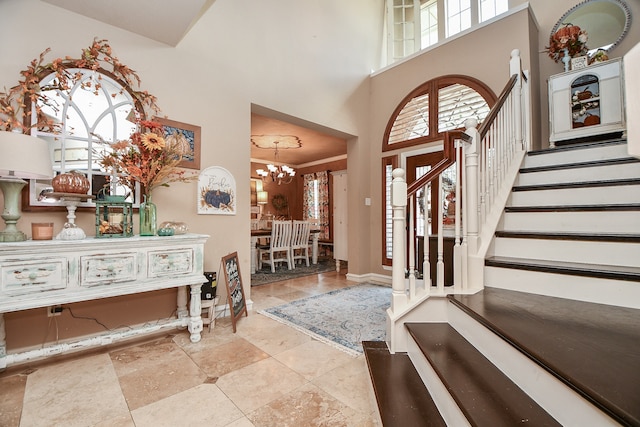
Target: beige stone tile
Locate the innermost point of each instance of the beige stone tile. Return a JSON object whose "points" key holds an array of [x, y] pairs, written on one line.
{"points": [[313, 358], [263, 302], [153, 371], [242, 422], [256, 385], [306, 406], [11, 394], [350, 384], [79, 392], [222, 359], [220, 334], [120, 421], [203, 405], [271, 336]]}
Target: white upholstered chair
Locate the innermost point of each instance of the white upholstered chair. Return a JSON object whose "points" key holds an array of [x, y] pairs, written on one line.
{"points": [[300, 241], [279, 247]]}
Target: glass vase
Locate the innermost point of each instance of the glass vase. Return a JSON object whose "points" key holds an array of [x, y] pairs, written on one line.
{"points": [[148, 216]]}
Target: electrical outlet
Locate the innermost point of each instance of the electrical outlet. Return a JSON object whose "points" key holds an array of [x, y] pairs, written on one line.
{"points": [[55, 310]]}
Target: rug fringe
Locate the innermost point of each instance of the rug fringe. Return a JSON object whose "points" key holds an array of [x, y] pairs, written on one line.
{"points": [[313, 335]]}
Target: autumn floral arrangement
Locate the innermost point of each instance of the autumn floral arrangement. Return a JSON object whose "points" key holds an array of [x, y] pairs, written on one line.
{"points": [[569, 39], [15, 103], [146, 158]]}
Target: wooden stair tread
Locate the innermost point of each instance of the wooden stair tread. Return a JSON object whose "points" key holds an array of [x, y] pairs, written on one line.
{"points": [[581, 184], [586, 164], [577, 146], [402, 398], [485, 395], [575, 208], [595, 237], [592, 348], [617, 272]]}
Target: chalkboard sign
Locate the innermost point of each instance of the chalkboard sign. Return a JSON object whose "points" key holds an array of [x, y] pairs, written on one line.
{"points": [[235, 293]]}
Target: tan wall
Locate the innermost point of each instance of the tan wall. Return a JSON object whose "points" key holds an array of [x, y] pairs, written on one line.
{"points": [[483, 54], [230, 61]]}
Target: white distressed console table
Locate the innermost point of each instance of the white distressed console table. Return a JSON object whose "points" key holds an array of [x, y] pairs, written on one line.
{"points": [[45, 273]]}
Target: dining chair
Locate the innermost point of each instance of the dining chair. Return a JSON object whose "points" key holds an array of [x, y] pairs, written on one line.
{"points": [[279, 247], [300, 241]]}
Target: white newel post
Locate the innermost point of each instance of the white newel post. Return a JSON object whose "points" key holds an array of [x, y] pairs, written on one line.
{"points": [[471, 183], [515, 67], [398, 204]]}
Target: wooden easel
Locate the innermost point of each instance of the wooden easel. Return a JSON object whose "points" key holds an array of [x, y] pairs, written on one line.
{"points": [[235, 292]]}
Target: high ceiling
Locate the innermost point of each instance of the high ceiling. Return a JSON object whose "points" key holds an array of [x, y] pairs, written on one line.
{"points": [[168, 21]]}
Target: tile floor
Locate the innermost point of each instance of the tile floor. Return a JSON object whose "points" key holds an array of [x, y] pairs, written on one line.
{"points": [[266, 374]]}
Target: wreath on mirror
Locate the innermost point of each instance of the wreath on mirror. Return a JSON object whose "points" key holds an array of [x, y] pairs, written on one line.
{"points": [[15, 110], [279, 202]]}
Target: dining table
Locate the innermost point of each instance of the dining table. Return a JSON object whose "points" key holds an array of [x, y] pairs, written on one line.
{"points": [[266, 234]]}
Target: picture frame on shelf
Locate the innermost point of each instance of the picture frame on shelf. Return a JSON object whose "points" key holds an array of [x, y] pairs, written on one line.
{"points": [[579, 62], [186, 134]]}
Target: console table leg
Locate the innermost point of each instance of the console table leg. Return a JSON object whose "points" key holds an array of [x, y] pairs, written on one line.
{"points": [[182, 311], [3, 344], [195, 320]]}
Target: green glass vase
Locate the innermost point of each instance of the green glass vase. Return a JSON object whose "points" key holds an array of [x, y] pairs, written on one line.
{"points": [[148, 217]]}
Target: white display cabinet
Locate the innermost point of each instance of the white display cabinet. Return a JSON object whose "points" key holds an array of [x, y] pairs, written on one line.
{"points": [[587, 102]]}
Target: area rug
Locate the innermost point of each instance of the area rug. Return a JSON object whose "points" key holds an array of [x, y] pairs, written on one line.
{"points": [[342, 318], [265, 276]]}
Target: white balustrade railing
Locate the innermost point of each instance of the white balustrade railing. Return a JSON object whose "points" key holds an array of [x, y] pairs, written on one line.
{"points": [[486, 162]]}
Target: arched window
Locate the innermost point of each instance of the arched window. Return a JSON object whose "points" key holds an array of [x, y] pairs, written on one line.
{"points": [[95, 108], [434, 107]]}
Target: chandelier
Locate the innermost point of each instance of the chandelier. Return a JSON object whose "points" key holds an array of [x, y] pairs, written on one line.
{"points": [[279, 173]]}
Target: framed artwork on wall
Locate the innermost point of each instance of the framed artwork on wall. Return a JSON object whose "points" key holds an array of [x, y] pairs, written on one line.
{"points": [[216, 192], [187, 136]]}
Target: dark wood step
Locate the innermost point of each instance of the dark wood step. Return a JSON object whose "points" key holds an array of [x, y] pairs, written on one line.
{"points": [[592, 348], [575, 208], [591, 237], [583, 184], [486, 396], [577, 145], [613, 272], [402, 398], [587, 164]]}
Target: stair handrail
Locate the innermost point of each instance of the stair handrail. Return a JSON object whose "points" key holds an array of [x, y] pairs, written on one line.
{"points": [[486, 159]]}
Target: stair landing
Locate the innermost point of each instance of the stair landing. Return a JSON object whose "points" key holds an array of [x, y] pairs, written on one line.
{"points": [[593, 348]]}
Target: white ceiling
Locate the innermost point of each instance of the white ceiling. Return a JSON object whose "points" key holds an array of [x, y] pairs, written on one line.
{"points": [[168, 21]]}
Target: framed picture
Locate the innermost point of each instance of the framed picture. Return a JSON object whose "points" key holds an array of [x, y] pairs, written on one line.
{"points": [[216, 192], [579, 62], [185, 135]]}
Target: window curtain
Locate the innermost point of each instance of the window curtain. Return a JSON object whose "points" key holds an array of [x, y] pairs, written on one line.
{"points": [[307, 196], [308, 201], [323, 203]]}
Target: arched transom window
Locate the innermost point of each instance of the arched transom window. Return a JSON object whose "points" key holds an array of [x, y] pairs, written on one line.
{"points": [[435, 107]]}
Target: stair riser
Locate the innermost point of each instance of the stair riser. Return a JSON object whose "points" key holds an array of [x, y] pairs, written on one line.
{"points": [[588, 252], [609, 172], [620, 222], [603, 291], [577, 196], [603, 152], [447, 406], [550, 393]]}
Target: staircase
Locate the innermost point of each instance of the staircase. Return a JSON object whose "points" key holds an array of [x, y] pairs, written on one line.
{"points": [[554, 338]]}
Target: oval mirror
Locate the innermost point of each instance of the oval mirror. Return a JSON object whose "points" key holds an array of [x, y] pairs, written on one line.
{"points": [[605, 21]]}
